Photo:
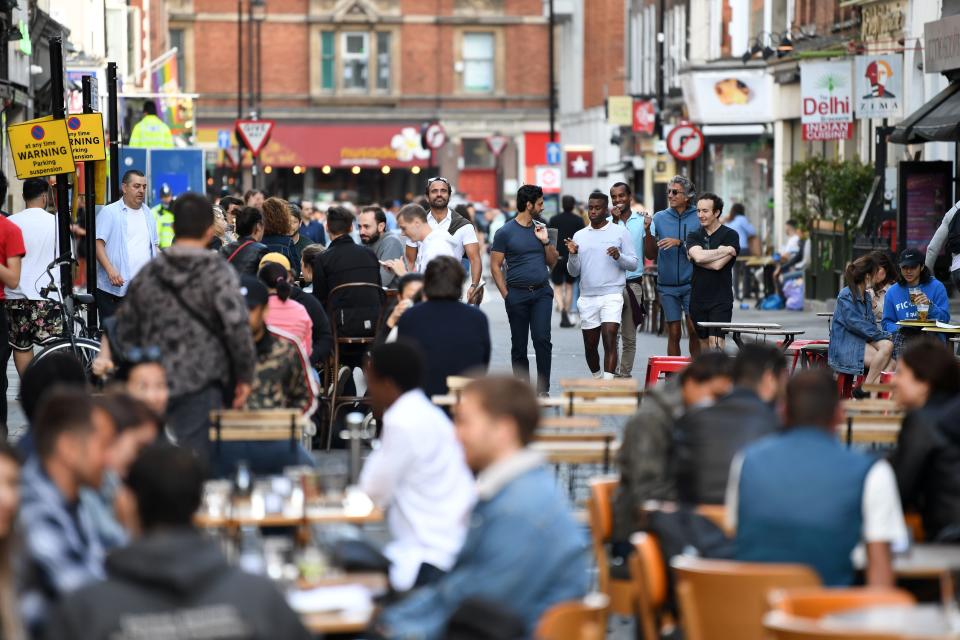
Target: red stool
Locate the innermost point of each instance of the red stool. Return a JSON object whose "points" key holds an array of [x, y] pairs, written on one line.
{"points": [[845, 384], [796, 347], [662, 365]]}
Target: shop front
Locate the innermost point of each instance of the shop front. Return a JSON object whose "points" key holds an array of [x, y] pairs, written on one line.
{"points": [[927, 188], [365, 162], [733, 109]]}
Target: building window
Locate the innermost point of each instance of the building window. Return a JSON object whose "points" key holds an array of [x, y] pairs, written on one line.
{"points": [[478, 61], [177, 40], [356, 59], [327, 60], [383, 61]]}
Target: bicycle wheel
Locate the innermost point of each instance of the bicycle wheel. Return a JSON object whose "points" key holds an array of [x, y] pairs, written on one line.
{"points": [[86, 352]]}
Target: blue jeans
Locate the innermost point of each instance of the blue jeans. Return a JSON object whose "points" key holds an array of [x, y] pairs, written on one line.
{"points": [[530, 312]]}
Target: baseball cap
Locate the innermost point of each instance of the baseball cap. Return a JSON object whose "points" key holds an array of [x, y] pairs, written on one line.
{"points": [[253, 291], [911, 258], [274, 256]]}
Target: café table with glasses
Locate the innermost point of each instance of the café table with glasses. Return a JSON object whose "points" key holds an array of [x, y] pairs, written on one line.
{"points": [[289, 527]]}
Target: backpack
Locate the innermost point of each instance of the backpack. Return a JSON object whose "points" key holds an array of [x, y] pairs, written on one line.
{"points": [[953, 239], [772, 302]]}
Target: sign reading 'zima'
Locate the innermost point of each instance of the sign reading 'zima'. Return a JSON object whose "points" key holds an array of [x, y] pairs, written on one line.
{"points": [[41, 148]]}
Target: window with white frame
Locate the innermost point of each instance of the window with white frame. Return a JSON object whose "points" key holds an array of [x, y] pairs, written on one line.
{"points": [[478, 62], [355, 57]]}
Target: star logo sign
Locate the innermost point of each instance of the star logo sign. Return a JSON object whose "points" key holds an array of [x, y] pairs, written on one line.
{"points": [[579, 162]]}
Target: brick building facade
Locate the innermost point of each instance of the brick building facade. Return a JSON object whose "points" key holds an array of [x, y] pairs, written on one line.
{"points": [[351, 82]]}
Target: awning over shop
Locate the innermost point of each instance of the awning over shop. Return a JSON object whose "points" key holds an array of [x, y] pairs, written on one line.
{"points": [[341, 144], [936, 121]]}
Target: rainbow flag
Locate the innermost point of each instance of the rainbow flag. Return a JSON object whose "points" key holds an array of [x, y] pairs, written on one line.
{"points": [[176, 111]]}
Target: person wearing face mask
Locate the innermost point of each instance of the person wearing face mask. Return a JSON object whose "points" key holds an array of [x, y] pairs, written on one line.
{"points": [[856, 342], [11, 627]]}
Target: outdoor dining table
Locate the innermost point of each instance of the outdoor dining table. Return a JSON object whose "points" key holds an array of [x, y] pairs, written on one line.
{"points": [[928, 621], [954, 334], [737, 328]]}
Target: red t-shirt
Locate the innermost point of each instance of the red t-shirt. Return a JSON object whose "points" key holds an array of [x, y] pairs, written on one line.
{"points": [[11, 243]]}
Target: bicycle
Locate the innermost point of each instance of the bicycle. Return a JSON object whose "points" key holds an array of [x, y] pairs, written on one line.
{"points": [[77, 338]]}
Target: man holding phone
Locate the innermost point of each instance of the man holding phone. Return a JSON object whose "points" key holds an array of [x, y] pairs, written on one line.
{"points": [[665, 244], [523, 244], [601, 254]]}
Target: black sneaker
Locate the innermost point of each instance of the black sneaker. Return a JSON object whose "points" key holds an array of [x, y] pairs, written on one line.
{"points": [[565, 320], [859, 394]]}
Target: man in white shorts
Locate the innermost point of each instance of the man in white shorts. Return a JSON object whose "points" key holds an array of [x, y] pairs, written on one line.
{"points": [[601, 254]]}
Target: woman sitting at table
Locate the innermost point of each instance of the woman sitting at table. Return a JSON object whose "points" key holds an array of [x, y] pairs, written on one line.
{"points": [[856, 343], [927, 459], [883, 278], [916, 286]]}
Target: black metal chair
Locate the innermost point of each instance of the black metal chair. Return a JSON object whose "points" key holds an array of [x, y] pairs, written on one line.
{"points": [[337, 306]]}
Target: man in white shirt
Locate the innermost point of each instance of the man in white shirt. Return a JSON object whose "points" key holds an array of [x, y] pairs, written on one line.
{"points": [[127, 239], [418, 473], [432, 242], [802, 496], [439, 191], [34, 319]]}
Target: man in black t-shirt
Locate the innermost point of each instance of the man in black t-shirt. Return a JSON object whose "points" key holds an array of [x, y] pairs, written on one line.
{"points": [[566, 223], [713, 251]]}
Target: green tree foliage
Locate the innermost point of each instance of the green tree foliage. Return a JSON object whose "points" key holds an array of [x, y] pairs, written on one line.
{"points": [[821, 189]]}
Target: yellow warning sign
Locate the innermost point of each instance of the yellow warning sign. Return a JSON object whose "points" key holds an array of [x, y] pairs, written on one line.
{"points": [[40, 148], [86, 136]]}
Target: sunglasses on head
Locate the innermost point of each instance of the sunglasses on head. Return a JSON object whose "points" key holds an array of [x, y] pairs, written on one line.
{"points": [[142, 355], [438, 179]]}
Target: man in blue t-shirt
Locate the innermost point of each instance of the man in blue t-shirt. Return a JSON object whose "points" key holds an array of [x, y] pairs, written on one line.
{"points": [[524, 245], [674, 271]]}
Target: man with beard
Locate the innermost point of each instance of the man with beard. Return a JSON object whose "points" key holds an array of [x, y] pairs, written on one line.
{"points": [[372, 223], [441, 216]]}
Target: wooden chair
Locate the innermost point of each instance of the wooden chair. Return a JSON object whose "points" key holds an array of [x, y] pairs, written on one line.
{"points": [[721, 599], [817, 602], [648, 572], [261, 425], [334, 400], [565, 423], [868, 428], [577, 620], [600, 510], [781, 626]]}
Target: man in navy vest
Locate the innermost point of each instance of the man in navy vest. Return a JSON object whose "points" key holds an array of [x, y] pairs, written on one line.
{"points": [[801, 496]]}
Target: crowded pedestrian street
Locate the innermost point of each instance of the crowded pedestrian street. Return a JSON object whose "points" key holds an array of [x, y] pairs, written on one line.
{"points": [[480, 320]]}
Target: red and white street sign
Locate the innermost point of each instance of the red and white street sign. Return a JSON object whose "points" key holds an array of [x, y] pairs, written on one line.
{"points": [[548, 177], [434, 136], [232, 155], [685, 141], [644, 116], [579, 162], [255, 134], [497, 144]]}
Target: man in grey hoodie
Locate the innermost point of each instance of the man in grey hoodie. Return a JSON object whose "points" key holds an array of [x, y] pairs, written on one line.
{"points": [[187, 302]]}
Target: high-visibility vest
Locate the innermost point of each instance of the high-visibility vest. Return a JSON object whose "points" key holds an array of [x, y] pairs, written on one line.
{"points": [[164, 225], [151, 133]]}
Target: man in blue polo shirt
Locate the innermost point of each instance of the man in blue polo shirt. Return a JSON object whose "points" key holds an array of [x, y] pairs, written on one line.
{"points": [[636, 223], [665, 243]]}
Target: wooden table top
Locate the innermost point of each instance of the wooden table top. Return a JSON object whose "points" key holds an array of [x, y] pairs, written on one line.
{"points": [[928, 621]]}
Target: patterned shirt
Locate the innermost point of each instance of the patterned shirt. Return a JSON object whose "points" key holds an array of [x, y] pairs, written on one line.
{"points": [[62, 547], [282, 379]]}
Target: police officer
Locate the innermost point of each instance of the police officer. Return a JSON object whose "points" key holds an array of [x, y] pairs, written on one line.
{"points": [[163, 212], [151, 132]]}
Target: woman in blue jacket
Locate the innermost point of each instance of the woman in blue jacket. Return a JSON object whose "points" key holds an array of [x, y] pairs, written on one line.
{"points": [[856, 342], [899, 304]]}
